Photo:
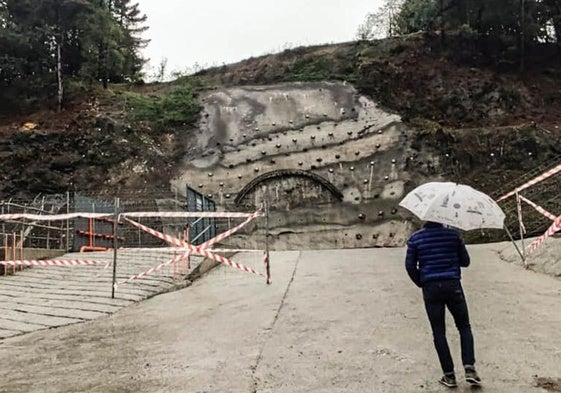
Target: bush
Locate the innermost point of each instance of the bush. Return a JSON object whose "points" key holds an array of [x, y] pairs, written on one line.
{"points": [[177, 108], [320, 68], [309, 69]]}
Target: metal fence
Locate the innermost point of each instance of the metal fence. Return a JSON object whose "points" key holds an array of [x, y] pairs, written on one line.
{"points": [[137, 245], [83, 234]]}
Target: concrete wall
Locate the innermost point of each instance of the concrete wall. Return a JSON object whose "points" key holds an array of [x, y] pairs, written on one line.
{"points": [[324, 128]]}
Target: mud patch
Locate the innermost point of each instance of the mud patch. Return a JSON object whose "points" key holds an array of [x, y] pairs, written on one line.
{"points": [[549, 384]]}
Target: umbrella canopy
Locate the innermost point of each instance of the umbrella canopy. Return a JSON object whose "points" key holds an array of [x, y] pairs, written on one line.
{"points": [[454, 204]]}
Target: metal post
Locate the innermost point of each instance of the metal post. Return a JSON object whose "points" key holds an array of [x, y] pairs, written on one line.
{"points": [[21, 249], [115, 246], [522, 35], [48, 236], [6, 252], [5, 242], [268, 267], [513, 242], [14, 250], [370, 180], [67, 222], [186, 238], [521, 229], [61, 236], [92, 230]]}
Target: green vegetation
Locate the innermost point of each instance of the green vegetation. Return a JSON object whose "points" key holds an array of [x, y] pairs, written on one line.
{"points": [[48, 45], [311, 68], [176, 108], [533, 20], [510, 23]]}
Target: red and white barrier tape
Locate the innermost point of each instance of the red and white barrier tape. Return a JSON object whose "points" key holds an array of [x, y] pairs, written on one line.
{"points": [[199, 250], [167, 238], [229, 262], [231, 231], [538, 208], [52, 217], [153, 269], [217, 258], [183, 249], [195, 249], [556, 226], [189, 214], [535, 180], [52, 262]]}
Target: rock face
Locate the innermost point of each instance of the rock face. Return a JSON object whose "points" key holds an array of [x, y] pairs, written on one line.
{"points": [[331, 164]]}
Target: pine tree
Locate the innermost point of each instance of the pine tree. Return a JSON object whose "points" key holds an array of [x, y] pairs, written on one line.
{"points": [[46, 44], [131, 20]]}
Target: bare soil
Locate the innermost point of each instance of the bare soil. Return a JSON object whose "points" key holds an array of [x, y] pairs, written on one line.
{"points": [[492, 123]]}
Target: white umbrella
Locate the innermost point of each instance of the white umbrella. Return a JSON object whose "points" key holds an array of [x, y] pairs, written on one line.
{"points": [[454, 204]]}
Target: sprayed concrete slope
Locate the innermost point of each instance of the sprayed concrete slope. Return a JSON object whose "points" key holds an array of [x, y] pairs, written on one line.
{"points": [[327, 129]]}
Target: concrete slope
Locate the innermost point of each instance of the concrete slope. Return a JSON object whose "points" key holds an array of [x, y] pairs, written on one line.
{"points": [[47, 297], [332, 321], [326, 130]]}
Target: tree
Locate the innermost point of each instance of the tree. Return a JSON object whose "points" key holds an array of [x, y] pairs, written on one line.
{"points": [[35, 34], [102, 49], [161, 71], [417, 15], [551, 19], [380, 24], [46, 44], [131, 20], [60, 17]]}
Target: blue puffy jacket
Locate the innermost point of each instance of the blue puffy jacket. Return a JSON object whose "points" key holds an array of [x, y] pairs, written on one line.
{"points": [[435, 253]]}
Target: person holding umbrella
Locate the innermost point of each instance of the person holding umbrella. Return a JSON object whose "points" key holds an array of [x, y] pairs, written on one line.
{"points": [[435, 256]]}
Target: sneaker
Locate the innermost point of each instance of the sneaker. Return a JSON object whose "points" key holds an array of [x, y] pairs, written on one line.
{"points": [[448, 381], [471, 376]]}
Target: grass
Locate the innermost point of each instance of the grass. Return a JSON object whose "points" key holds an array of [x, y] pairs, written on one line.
{"points": [[176, 108]]}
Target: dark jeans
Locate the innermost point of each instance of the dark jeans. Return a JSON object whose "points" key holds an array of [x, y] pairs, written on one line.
{"points": [[437, 296]]}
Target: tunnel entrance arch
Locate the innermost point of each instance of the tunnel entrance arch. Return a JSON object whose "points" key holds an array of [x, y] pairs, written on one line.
{"points": [[284, 174]]}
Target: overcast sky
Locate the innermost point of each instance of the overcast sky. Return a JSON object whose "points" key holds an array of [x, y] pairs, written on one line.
{"points": [[212, 32]]}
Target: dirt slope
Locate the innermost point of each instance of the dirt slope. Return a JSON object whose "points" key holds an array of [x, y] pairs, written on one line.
{"points": [[472, 117]]}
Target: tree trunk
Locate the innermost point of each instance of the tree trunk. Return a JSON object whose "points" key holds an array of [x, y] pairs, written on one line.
{"points": [[522, 36], [60, 95]]}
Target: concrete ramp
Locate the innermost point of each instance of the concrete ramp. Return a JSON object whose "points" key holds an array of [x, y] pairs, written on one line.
{"points": [[46, 297], [333, 321]]}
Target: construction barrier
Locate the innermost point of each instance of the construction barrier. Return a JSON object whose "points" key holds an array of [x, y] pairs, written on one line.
{"points": [[556, 220], [52, 262], [178, 244], [52, 217], [188, 249], [530, 183], [555, 227], [538, 208]]}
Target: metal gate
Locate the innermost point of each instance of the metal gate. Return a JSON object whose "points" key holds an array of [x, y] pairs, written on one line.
{"points": [[92, 234], [200, 229]]}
